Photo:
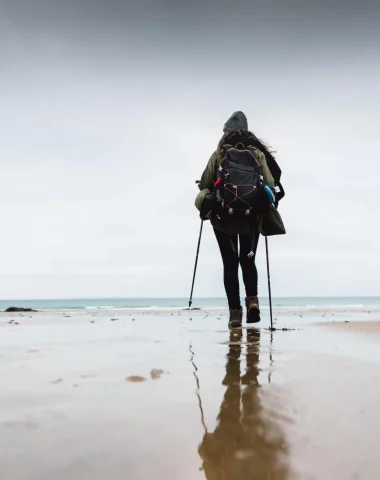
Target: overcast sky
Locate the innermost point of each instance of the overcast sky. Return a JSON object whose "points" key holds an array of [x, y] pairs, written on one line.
{"points": [[111, 109]]}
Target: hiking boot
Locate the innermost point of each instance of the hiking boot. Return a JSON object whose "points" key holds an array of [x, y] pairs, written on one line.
{"points": [[236, 317], [253, 311]]}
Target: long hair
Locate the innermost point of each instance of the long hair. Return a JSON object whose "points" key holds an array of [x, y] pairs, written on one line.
{"points": [[247, 138]]}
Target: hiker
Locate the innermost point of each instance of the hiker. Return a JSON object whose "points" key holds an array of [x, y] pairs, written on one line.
{"points": [[236, 211]]}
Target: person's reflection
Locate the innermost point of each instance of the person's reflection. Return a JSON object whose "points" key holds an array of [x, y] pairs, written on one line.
{"points": [[246, 444]]}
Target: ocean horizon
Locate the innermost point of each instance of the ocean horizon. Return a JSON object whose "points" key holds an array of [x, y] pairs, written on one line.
{"points": [[178, 303]]}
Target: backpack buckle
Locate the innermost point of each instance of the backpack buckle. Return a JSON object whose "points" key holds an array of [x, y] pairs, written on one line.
{"points": [[247, 212], [230, 211]]}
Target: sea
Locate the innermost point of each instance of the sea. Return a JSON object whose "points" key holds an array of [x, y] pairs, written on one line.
{"points": [[285, 303]]}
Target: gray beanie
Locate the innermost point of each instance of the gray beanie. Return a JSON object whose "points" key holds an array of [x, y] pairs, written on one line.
{"points": [[237, 121]]}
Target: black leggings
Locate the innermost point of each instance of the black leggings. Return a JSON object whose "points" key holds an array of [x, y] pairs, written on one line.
{"points": [[228, 245]]}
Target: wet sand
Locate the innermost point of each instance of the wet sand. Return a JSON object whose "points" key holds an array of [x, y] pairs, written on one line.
{"points": [[371, 329], [128, 395]]}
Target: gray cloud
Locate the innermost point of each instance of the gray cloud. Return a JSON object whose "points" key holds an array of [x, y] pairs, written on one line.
{"points": [[110, 111]]}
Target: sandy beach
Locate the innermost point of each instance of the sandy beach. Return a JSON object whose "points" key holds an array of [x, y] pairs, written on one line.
{"points": [[175, 395]]}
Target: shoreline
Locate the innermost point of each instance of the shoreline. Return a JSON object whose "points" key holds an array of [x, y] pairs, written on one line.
{"points": [[200, 311]]}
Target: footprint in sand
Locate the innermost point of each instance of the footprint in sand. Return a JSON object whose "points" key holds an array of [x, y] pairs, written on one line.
{"points": [[156, 373], [135, 379]]}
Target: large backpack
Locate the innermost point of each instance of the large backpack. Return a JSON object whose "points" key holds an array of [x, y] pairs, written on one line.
{"points": [[239, 189], [236, 201]]}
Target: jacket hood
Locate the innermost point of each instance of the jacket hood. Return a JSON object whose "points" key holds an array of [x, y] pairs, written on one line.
{"points": [[237, 121]]}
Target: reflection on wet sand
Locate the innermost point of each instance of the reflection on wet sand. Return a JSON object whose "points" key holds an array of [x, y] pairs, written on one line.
{"points": [[246, 443]]}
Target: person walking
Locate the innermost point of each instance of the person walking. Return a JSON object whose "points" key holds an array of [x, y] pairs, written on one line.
{"points": [[237, 188]]}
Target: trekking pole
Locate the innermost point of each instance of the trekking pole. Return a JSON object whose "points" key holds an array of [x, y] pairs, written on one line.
{"points": [[195, 266], [269, 289]]}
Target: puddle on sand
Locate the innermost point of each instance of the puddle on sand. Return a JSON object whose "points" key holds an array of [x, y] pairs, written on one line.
{"points": [[259, 409], [247, 441]]}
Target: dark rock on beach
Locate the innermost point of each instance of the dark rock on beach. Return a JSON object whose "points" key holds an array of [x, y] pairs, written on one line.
{"points": [[20, 309]]}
